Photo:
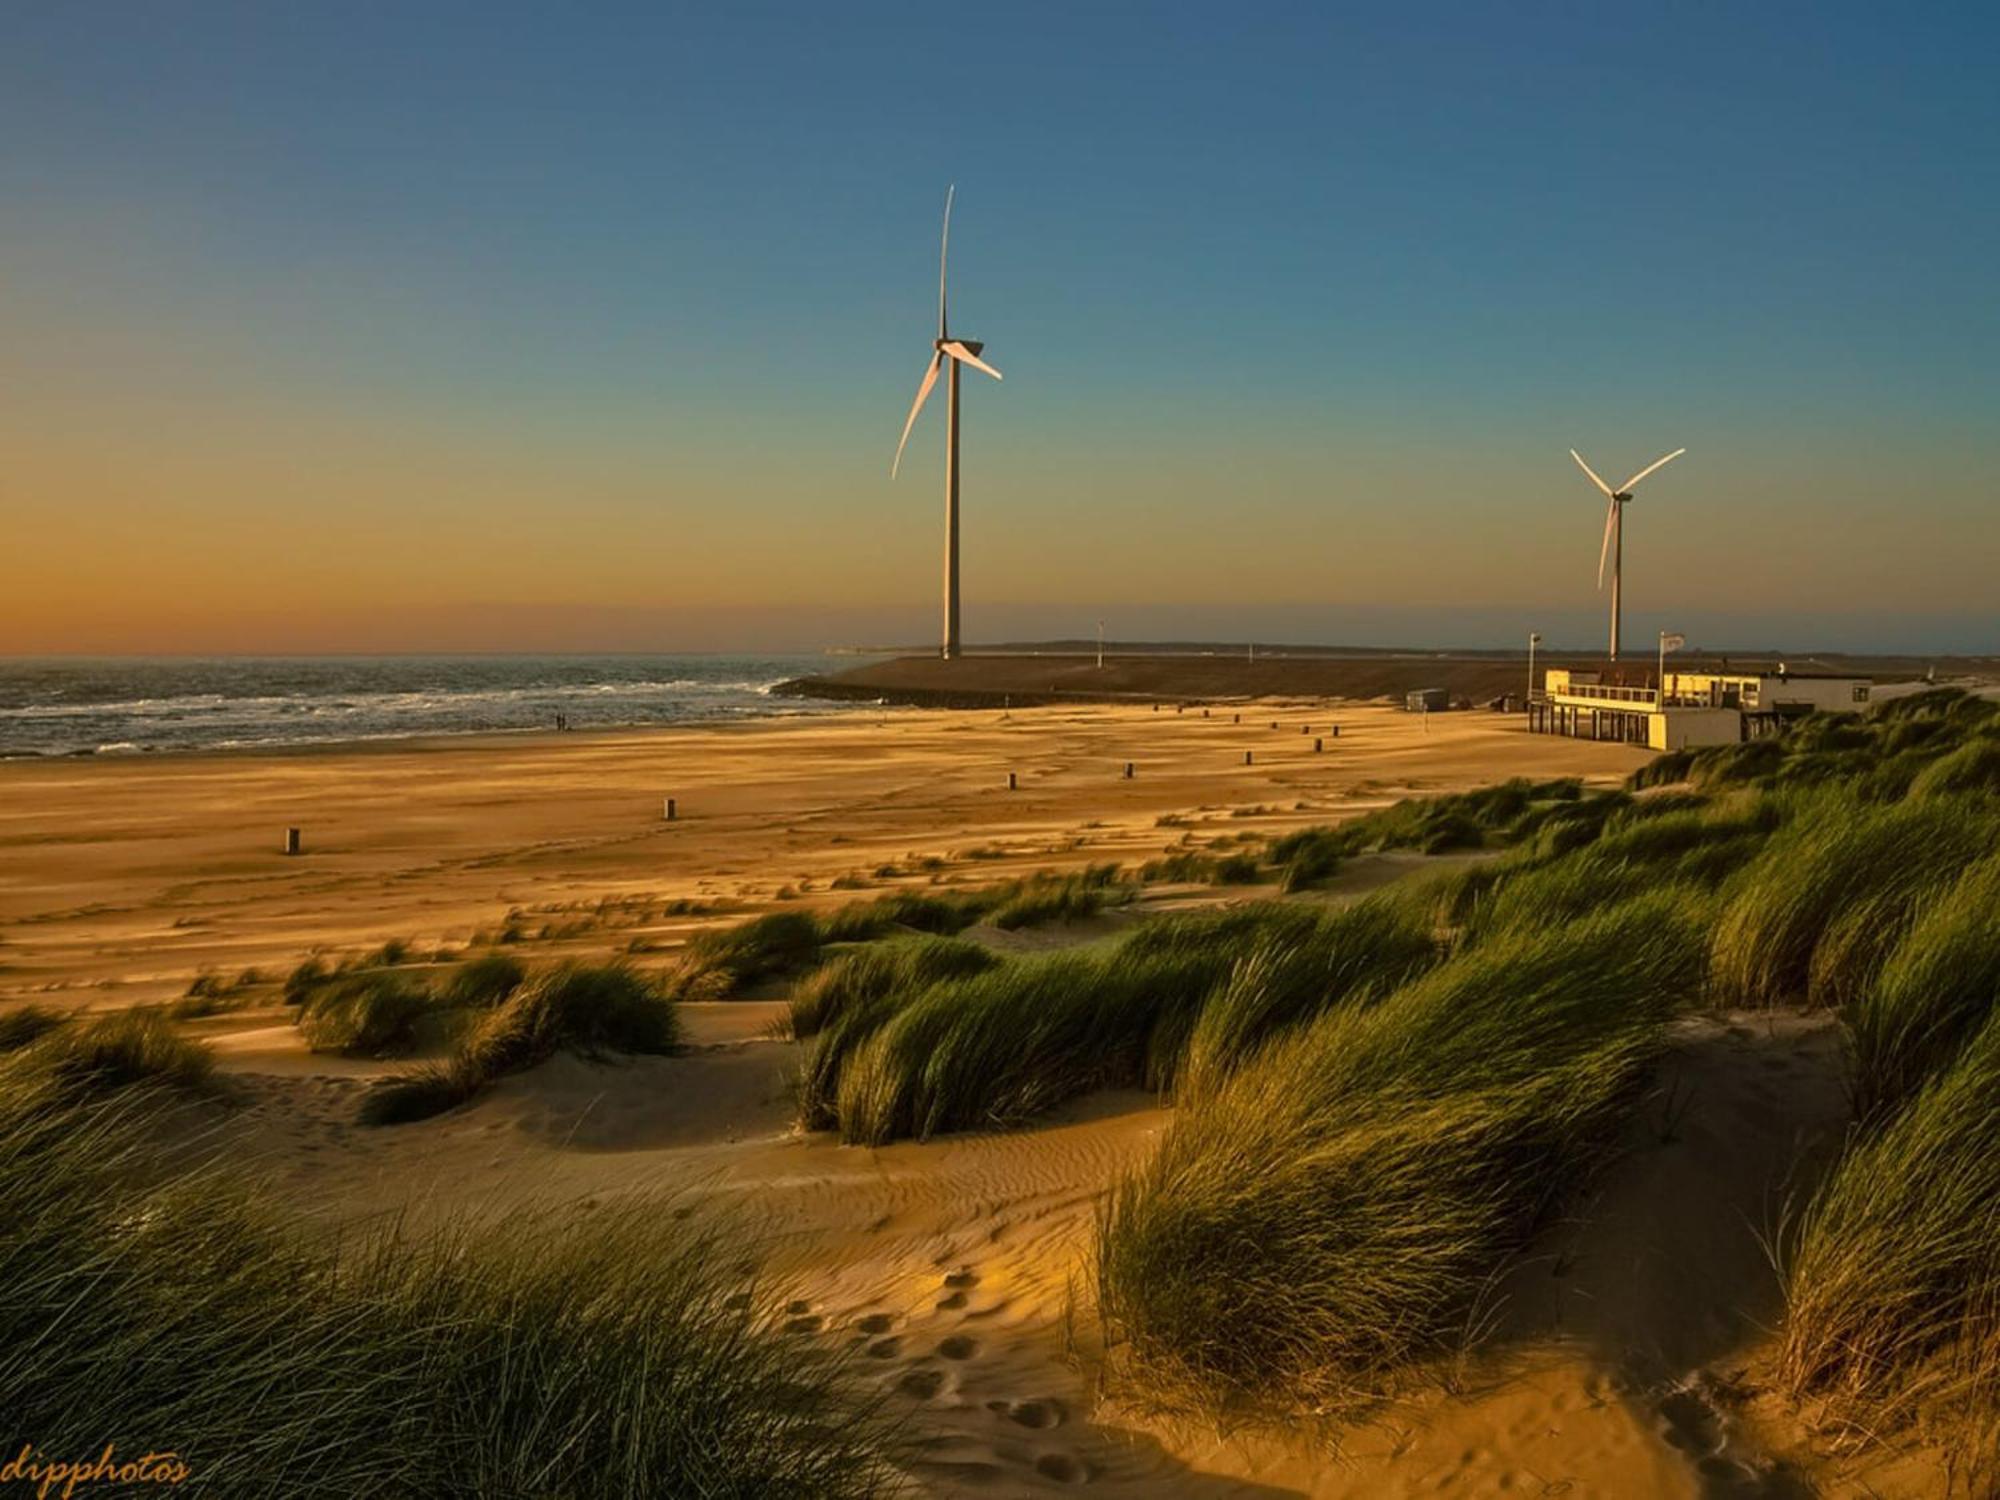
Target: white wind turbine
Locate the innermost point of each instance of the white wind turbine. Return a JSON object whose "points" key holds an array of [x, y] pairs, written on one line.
{"points": [[958, 352], [1614, 529]]}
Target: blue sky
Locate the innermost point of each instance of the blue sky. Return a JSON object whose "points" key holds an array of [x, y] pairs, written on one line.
{"points": [[488, 313]]}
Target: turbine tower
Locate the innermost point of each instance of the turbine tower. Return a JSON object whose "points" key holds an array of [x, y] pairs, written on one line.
{"points": [[1614, 530], [958, 352]]}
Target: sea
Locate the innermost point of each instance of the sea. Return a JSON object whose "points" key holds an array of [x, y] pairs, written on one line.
{"points": [[140, 706]]}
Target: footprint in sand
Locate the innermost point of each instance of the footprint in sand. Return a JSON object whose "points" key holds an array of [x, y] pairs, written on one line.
{"points": [[963, 1277], [951, 1302], [1031, 1414], [874, 1323], [887, 1348], [958, 1346], [803, 1319], [1063, 1468], [923, 1384]]}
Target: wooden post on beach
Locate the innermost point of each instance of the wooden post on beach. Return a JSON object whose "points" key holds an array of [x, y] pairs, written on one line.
{"points": [[291, 841], [1128, 770], [1236, 718], [1336, 731], [1318, 746], [671, 810], [1012, 784], [1305, 729], [1204, 713], [1246, 757]]}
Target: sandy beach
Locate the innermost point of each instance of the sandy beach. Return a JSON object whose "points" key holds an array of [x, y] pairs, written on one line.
{"points": [[126, 876], [956, 1270]]}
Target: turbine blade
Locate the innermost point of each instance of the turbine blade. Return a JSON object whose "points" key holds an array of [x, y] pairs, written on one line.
{"points": [[923, 395], [965, 356], [1590, 471], [1610, 525], [1656, 464], [944, 244]]}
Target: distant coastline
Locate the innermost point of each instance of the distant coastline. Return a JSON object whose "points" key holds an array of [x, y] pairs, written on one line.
{"points": [[1067, 672]]}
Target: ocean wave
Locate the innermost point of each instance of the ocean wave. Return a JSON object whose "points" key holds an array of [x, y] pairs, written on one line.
{"points": [[125, 707]]}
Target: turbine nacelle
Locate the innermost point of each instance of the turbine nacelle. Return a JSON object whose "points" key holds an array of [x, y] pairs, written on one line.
{"points": [[1618, 498], [943, 347]]}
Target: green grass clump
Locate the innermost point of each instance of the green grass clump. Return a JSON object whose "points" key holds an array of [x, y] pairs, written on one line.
{"points": [[96, 1053], [209, 994], [723, 961], [591, 1009], [919, 911], [1973, 767], [619, 1361], [1188, 867], [1933, 993], [998, 1047], [1347, 956], [369, 1015], [1833, 851], [846, 1002], [1060, 898], [588, 1008], [483, 982], [1893, 1284], [306, 977], [1329, 1216], [1500, 814], [30, 1023], [863, 974]]}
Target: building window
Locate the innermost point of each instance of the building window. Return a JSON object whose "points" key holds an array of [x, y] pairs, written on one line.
{"points": [[1860, 692]]}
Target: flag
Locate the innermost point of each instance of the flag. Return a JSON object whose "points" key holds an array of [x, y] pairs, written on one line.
{"points": [[1672, 640]]}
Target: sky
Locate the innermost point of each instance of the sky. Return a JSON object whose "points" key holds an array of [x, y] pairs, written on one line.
{"points": [[331, 327]]}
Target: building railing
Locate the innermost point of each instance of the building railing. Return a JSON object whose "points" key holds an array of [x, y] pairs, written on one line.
{"points": [[1599, 693]]}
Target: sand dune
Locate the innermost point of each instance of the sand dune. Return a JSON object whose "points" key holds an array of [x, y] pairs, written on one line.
{"points": [[957, 1270]]}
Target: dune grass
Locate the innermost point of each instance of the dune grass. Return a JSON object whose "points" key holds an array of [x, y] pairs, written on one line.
{"points": [[1349, 956], [998, 1046], [1973, 767], [846, 1001], [1893, 1283], [27, 1023], [1833, 852], [1489, 816], [861, 974], [1041, 899], [538, 1361], [369, 1014], [723, 960], [483, 982], [209, 994], [1331, 1213], [1929, 996], [93, 1054], [592, 1009], [1188, 867]]}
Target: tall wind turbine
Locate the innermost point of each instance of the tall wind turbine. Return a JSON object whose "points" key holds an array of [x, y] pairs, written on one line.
{"points": [[1614, 529], [956, 352]]}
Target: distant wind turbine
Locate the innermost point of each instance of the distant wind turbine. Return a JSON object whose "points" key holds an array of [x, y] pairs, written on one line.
{"points": [[958, 352], [1614, 530]]}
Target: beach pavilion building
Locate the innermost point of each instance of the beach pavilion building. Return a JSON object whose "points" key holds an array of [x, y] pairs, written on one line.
{"points": [[1688, 708]]}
